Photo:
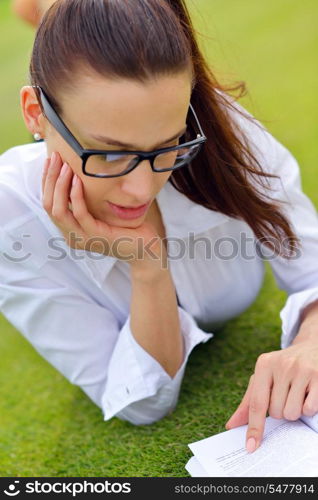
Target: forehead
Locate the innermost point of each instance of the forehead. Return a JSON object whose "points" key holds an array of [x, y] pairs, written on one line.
{"points": [[126, 109]]}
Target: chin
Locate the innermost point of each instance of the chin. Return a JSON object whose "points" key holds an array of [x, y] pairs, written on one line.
{"points": [[112, 220], [131, 224]]}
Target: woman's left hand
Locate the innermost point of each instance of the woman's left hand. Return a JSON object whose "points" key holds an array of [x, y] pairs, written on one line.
{"points": [[285, 383]]}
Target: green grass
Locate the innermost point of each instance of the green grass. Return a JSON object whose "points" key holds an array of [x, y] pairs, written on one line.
{"points": [[15, 49], [49, 427]]}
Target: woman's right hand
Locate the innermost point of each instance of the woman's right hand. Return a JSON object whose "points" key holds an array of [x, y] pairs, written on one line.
{"points": [[82, 231]]}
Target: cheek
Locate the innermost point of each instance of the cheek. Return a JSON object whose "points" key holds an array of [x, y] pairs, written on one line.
{"points": [[96, 192], [163, 179], [56, 144]]}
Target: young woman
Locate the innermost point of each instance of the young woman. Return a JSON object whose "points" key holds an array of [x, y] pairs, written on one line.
{"points": [[145, 157]]}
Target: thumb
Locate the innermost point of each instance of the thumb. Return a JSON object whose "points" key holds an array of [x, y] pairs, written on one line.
{"points": [[240, 416]]}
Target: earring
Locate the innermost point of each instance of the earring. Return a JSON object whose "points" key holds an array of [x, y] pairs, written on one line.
{"points": [[37, 136]]}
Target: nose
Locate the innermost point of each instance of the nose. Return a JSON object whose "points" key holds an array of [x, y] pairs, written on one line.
{"points": [[138, 185]]}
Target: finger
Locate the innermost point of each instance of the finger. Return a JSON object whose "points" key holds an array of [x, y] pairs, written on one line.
{"points": [[240, 416], [44, 173], [60, 209], [310, 406], [69, 225], [50, 180], [259, 402], [279, 396], [295, 399], [79, 207]]}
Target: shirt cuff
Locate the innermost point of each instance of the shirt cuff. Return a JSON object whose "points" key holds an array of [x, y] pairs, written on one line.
{"points": [[290, 314], [134, 375]]}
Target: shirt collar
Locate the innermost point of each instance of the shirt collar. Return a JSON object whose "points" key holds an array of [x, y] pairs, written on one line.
{"points": [[181, 216]]}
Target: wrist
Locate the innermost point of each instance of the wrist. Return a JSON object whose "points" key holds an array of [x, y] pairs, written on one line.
{"points": [[154, 267], [308, 330], [144, 272], [307, 333]]}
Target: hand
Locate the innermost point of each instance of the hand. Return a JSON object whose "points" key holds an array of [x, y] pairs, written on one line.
{"points": [[81, 229], [31, 11], [285, 383]]}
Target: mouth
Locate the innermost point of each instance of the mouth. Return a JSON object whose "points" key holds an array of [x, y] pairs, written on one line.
{"points": [[128, 212], [133, 207]]}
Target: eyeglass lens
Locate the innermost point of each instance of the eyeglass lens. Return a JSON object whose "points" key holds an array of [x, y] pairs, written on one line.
{"points": [[114, 164]]}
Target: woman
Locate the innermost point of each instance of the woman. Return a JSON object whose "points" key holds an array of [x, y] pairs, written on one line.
{"points": [[115, 296]]}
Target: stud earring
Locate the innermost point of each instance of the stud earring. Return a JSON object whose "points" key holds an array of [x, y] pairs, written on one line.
{"points": [[37, 136]]}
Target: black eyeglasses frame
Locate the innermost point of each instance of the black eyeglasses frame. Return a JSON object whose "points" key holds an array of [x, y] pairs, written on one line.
{"points": [[84, 154]]}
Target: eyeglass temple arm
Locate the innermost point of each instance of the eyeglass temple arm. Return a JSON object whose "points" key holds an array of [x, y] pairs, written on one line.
{"points": [[197, 121], [60, 126], [58, 123]]}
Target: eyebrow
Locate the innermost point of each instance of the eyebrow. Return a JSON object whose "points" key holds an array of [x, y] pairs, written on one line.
{"points": [[113, 142]]}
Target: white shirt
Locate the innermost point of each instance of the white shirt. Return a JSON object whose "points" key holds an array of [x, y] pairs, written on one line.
{"points": [[73, 306]]}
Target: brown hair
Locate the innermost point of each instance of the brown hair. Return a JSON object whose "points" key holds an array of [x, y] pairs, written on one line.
{"points": [[143, 39]]}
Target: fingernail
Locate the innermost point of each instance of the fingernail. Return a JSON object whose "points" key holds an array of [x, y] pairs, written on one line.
{"points": [[64, 169], [53, 157], [74, 180], [251, 445]]}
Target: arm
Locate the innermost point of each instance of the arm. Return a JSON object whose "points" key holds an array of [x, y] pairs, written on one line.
{"points": [[308, 330], [298, 276], [83, 339], [284, 382], [154, 316]]}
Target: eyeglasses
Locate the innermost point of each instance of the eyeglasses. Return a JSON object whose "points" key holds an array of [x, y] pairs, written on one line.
{"points": [[106, 163]]}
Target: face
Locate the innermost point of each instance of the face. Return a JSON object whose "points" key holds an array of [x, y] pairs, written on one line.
{"points": [[142, 115]]}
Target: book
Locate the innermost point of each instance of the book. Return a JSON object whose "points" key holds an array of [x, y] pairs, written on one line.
{"points": [[288, 449]]}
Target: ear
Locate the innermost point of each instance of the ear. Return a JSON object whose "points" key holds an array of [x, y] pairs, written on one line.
{"points": [[31, 111]]}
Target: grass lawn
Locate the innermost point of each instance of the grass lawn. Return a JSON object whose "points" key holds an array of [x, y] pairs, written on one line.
{"points": [[48, 426]]}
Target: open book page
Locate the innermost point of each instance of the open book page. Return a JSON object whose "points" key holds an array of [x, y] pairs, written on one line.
{"points": [[288, 448], [195, 469], [311, 421]]}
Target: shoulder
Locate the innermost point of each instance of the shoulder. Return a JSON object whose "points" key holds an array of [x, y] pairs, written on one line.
{"points": [[254, 134], [20, 183], [24, 224], [22, 160], [272, 156]]}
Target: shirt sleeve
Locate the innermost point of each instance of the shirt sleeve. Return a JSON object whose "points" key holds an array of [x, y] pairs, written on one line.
{"points": [[155, 391], [299, 275], [84, 342]]}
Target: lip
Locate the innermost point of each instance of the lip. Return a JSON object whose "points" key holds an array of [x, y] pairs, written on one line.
{"points": [[128, 213]]}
